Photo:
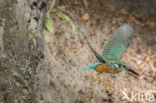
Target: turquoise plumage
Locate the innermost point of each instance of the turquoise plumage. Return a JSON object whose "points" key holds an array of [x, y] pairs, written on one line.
{"points": [[113, 50], [93, 65]]}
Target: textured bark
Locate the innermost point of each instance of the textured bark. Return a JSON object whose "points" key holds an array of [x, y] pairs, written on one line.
{"points": [[21, 41]]}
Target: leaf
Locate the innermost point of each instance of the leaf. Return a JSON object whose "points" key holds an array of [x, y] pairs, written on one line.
{"points": [[52, 5], [48, 25], [63, 16], [48, 19]]}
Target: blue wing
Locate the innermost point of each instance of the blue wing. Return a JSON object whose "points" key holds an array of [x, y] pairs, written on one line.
{"points": [[98, 56], [118, 43]]}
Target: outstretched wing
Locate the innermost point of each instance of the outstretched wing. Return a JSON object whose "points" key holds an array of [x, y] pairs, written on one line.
{"points": [[118, 42], [98, 56]]}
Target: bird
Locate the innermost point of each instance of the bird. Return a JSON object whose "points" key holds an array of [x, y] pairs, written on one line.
{"points": [[110, 60]]}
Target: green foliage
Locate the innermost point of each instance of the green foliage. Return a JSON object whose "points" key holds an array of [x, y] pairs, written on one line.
{"points": [[59, 14], [48, 24], [48, 19], [52, 5], [63, 16]]}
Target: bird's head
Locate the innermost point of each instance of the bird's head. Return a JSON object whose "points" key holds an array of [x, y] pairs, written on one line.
{"points": [[119, 65]]}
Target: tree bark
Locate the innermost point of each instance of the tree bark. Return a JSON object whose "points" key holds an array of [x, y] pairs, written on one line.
{"points": [[21, 43]]}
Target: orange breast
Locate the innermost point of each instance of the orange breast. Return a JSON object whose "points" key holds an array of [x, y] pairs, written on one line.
{"points": [[105, 68]]}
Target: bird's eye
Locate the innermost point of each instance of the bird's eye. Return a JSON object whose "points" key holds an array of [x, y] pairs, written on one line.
{"points": [[124, 66]]}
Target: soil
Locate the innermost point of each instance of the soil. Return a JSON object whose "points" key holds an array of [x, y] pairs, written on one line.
{"points": [[67, 52]]}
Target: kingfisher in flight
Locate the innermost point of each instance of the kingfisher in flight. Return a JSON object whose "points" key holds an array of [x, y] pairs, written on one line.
{"points": [[110, 60]]}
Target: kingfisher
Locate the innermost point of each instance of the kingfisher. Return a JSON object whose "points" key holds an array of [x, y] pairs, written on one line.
{"points": [[110, 60]]}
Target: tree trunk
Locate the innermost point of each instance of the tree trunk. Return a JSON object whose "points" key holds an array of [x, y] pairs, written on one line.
{"points": [[21, 43]]}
